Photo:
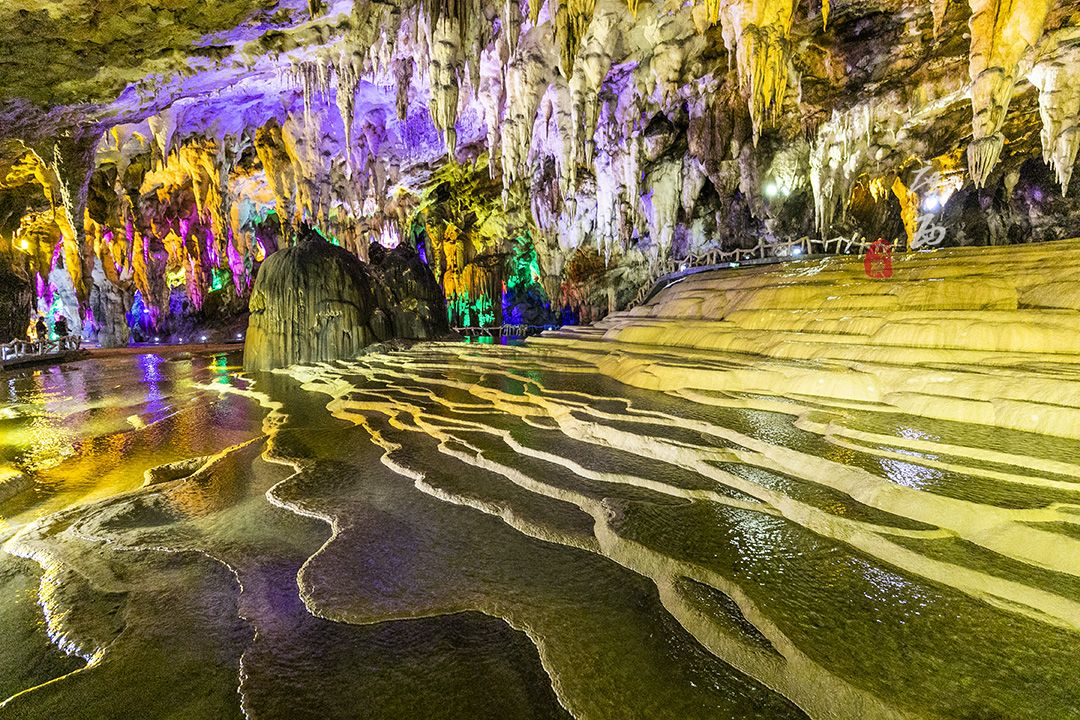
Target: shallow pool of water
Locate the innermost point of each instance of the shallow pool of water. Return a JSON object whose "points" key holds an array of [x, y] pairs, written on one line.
{"points": [[470, 531]]}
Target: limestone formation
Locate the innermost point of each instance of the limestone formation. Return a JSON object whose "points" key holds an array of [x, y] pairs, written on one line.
{"points": [[656, 134], [15, 302], [313, 302], [316, 302]]}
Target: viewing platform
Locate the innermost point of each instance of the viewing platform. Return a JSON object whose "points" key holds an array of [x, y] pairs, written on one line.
{"points": [[18, 353]]}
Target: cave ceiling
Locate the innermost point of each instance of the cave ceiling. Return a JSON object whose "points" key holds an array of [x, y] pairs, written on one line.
{"points": [[621, 125]]}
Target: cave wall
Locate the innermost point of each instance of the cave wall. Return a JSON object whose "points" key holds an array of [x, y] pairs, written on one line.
{"points": [[622, 139], [15, 302]]}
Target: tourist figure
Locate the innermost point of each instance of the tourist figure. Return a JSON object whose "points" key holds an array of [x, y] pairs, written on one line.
{"points": [[41, 330], [60, 326]]}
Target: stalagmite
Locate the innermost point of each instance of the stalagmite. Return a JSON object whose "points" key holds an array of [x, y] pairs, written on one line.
{"points": [[1001, 32]]}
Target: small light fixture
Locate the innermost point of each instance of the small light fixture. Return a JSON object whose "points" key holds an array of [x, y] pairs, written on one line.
{"points": [[796, 251], [770, 189]]}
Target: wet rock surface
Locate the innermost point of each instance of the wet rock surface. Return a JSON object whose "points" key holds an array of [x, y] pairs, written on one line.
{"points": [[316, 302]]}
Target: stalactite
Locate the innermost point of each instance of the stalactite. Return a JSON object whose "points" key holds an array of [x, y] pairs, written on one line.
{"points": [[313, 77], [476, 34], [348, 77], [528, 77], [511, 23], [596, 58], [825, 14], [208, 162], [492, 98], [572, 19], [938, 8], [758, 33], [534, 11], [403, 72], [1057, 77], [1001, 32], [163, 128], [70, 161], [662, 77], [664, 184], [713, 9], [606, 168], [453, 27], [279, 173], [445, 65], [310, 171], [836, 156]]}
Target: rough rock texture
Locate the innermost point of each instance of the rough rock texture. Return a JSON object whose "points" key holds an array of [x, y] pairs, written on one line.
{"points": [[316, 302], [15, 302], [408, 293], [313, 302], [181, 145]]}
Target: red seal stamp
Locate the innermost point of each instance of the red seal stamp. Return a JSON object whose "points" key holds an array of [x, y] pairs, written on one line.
{"points": [[878, 260]]}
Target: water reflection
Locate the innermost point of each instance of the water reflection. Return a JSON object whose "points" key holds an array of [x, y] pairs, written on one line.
{"points": [[90, 429]]}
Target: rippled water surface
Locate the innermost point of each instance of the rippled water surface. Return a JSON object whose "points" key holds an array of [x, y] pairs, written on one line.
{"points": [[503, 532]]}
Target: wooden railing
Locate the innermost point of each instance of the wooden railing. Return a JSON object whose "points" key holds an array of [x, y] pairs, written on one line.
{"points": [[518, 331], [22, 349], [779, 252]]}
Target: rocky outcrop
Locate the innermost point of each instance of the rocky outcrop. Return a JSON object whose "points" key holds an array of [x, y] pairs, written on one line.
{"points": [[316, 302], [407, 293], [15, 299]]}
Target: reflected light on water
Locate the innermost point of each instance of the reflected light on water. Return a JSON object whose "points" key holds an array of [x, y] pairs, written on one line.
{"points": [[910, 475]]}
